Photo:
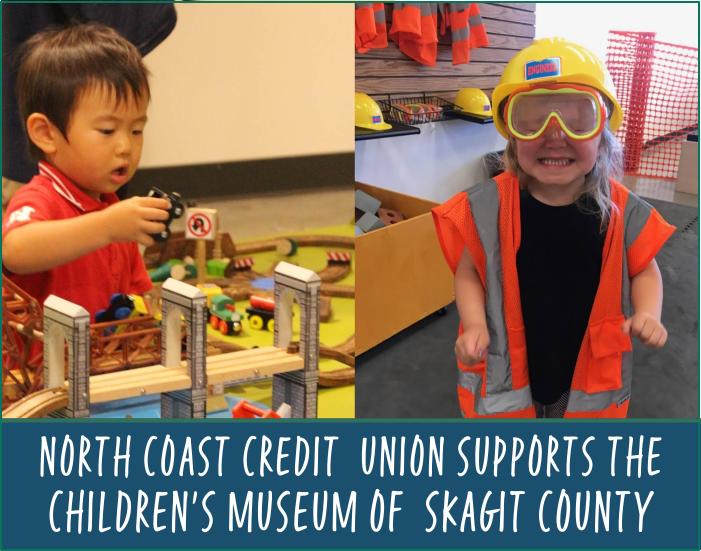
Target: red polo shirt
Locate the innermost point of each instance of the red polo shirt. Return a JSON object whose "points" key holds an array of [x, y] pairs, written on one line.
{"points": [[91, 280]]}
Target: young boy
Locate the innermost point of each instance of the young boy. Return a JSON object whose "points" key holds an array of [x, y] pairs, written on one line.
{"points": [[83, 92]]}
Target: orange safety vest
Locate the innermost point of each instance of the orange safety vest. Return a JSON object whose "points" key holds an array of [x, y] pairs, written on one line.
{"points": [[486, 219], [370, 26], [415, 25], [467, 29], [414, 29]]}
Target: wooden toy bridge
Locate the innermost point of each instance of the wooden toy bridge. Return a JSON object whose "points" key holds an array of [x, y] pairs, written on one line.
{"points": [[156, 379], [181, 384]]}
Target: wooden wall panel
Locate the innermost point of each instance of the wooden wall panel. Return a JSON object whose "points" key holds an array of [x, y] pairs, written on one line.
{"points": [[507, 13], [518, 5], [417, 85], [389, 72], [497, 26], [445, 53], [409, 68], [513, 43]]}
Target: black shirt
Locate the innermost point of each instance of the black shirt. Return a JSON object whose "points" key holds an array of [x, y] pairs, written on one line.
{"points": [[559, 266]]}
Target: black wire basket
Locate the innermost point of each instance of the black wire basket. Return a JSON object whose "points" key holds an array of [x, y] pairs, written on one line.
{"points": [[414, 110]]}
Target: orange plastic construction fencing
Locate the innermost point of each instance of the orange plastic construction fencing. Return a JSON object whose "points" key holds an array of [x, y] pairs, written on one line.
{"points": [[657, 87]]}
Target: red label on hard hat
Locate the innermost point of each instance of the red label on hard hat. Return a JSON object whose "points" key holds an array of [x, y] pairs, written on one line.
{"points": [[486, 107], [549, 67], [376, 119]]}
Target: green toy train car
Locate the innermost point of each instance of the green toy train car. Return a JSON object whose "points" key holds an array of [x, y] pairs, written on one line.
{"points": [[223, 315]]}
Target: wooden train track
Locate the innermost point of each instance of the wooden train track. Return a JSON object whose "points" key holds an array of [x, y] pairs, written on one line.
{"points": [[334, 272], [344, 353], [337, 355], [329, 275], [302, 240], [340, 291], [347, 347], [241, 365], [179, 247], [340, 377], [37, 404]]}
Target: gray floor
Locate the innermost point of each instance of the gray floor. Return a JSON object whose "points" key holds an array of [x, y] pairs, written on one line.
{"points": [[413, 374]]}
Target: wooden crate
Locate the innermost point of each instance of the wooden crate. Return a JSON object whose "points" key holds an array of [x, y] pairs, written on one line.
{"points": [[401, 275]]}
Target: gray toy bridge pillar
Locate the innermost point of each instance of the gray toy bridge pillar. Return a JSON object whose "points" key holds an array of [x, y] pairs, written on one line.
{"points": [[65, 320], [181, 299], [298, 389]]}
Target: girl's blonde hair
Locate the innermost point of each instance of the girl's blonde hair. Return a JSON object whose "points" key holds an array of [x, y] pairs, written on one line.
{"points": [[597, 186]]}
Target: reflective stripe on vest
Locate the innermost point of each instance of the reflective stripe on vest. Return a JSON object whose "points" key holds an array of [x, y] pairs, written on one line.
{"points": [[500, 395], [467, 29], [380, 17], [460, 29], [635, 217]]}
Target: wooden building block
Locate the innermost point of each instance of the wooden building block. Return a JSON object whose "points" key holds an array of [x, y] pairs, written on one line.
{"points": [[389, 216], [370, 222], [365, 202]]}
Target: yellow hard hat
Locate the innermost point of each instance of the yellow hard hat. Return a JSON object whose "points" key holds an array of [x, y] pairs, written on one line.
{"points": [[555, 60], [473, 101], [368, 114]]}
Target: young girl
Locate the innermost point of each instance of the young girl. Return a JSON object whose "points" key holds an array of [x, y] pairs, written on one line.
{"points": [[549, 256]]}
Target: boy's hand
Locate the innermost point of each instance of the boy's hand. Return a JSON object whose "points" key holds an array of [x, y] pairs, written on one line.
{"points": [[133, 219], [471, 346], [647, 328]]}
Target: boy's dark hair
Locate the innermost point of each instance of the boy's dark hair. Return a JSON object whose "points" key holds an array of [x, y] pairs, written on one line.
{"points": [[57, 65]]}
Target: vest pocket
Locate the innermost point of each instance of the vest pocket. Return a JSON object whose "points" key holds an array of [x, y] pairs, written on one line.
{"points": [[607, 346]]}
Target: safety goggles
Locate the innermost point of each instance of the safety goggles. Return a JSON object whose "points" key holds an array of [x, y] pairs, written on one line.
{"points": [[579, 111]]}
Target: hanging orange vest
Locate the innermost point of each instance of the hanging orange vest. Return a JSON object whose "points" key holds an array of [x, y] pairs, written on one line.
{"points": [[414, 29], [467, 29], [415, 25], [370, 26], [486, 219]]}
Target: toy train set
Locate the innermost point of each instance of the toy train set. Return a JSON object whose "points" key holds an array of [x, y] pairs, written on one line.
{"points": [[126, 333], [222, 313], [261, 313], [223, 316]]}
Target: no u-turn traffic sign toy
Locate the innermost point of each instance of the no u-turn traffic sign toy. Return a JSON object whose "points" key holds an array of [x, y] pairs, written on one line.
{"points": [[201, 223]]}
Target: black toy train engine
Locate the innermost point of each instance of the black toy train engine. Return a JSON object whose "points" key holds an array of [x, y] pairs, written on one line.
{"points": [[175, 211]]}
